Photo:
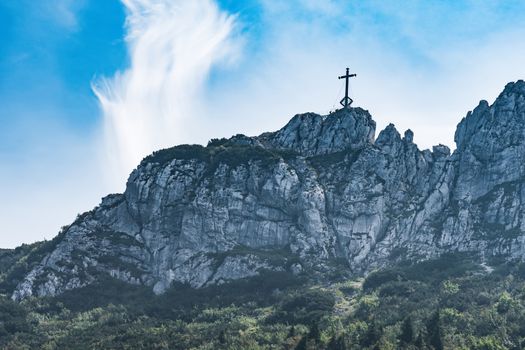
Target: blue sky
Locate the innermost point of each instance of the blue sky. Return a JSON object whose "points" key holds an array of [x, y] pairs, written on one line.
{"points": [[50, 52], [240, 67]]}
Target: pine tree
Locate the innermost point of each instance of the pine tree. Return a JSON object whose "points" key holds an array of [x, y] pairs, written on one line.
{"points": [[407, 331], [434, 332], [314, 333], [291, 333], [336, 343], [302, 344], [372, 335], [222, 337]]}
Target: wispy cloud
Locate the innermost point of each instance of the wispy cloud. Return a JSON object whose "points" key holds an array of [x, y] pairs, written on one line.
{"points": [[64, 12], [172, 47], [59, 13]]}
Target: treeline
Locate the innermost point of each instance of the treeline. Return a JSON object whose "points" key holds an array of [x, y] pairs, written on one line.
{"points": [[450, 303]]}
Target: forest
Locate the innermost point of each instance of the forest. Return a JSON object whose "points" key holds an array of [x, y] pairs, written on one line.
{"points": [[454, 302]]}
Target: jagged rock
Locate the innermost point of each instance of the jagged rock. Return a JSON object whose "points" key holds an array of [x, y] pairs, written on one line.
{"points": [[320, 189], [310, 134]]}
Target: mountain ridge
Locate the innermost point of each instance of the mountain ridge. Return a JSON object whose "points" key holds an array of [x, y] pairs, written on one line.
{"points": [[321, 190]]}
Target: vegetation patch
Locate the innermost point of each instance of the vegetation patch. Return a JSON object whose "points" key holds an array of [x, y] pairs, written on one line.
{"points": [[324, 160], [117, 263], [275, 257], [237, 155], [15, 264], [445, 303], [118, 238], [183, 152], [304, 307]]}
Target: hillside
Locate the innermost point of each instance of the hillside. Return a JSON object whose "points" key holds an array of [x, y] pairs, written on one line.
{"points": [[318, 235], [448, 303]]}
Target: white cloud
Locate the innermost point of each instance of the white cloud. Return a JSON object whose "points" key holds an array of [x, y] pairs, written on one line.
{"points": [[172, 45]]}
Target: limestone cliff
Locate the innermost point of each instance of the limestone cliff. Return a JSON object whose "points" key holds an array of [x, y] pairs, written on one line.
{"points": [[319, 190]]}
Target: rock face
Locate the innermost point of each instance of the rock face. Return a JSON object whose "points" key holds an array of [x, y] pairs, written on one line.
{"points": [[320, 189]]}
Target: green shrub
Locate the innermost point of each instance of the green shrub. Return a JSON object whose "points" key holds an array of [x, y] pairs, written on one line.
{"points": [[378, 278], [304, 308]]}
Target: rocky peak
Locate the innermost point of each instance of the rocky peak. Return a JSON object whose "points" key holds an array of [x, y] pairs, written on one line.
{"points": [[409, 136], [311, 134], [206, 215], [440, 151], [500, 124], [491, 142], [389, 140], [514, 88], [388, 136]]}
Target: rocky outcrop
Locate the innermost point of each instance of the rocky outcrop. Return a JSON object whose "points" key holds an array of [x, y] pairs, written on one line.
{"points": [[321, 189], [309, 134]]}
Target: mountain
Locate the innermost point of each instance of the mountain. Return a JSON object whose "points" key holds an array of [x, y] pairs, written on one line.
{"points": [[319, 196]]}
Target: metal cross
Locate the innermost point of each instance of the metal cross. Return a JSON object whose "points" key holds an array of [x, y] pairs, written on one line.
{"points": [[347, 101]]}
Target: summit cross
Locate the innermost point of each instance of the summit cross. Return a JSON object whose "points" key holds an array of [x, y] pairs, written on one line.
{"points": [[347, 101]]}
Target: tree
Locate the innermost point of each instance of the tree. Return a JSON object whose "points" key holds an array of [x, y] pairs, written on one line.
{"points": [[372, 335], [222, 337], [336, 343], [314, 334], [434, 332], [291, 332], [302, 344], [407, 331]]}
